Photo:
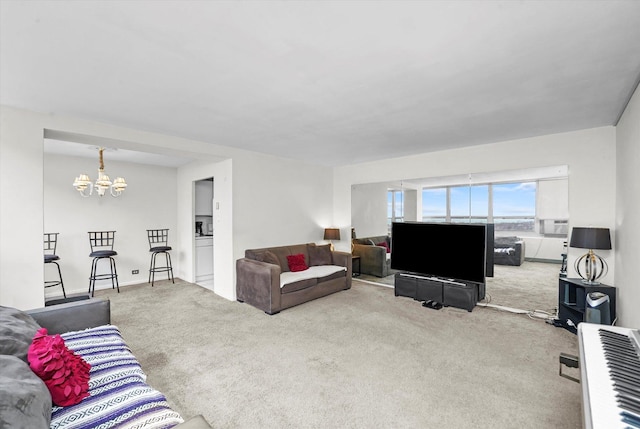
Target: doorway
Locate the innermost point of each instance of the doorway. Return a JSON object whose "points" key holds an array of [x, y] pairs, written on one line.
{"points": [[203, 231]]}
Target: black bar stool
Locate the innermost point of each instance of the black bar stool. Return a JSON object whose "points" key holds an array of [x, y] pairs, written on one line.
{"points": [[50, 257], [158, 243], [101, 243]]}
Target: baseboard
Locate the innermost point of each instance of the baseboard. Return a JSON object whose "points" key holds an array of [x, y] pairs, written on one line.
{"points": [[374, 283], [58, 295], [547, 261]]}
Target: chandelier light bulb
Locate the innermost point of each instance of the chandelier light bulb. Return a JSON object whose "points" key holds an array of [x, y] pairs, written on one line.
{"points": [[119, 184], [103, 180]]}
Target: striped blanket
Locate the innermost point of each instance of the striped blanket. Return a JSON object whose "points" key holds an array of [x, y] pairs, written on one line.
{"points": [[119, 395]]}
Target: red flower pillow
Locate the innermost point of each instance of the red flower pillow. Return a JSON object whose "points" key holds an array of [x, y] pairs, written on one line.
{"points": [[385, 245], [65, 373], [296, 262]]}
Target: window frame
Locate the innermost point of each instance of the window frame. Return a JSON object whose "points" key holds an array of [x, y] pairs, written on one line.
{"points": [[490, 217]]}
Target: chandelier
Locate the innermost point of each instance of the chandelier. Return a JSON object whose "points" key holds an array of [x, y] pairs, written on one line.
{"points": [[83, 183]]}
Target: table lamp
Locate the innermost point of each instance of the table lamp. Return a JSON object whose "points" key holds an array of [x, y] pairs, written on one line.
{"points": [[331, 234], [591, 266]]}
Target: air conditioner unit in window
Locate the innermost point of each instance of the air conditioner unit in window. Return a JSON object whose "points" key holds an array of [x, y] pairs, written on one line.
{"points": [[554, 227]]}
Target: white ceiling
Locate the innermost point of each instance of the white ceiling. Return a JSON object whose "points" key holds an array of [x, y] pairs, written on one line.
{"points": [[332, 82], [113, 153]]}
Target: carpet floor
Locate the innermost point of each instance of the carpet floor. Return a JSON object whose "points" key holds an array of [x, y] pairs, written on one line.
{"points": [[359, 358]]}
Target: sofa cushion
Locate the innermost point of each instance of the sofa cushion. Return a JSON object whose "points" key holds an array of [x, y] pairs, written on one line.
{"points": [[363, 241], [25, 402], [317, 272], [372, 241], [297, 262], [118, 393], [336, 275], [268, 257], [17, 329], [299, 285], [281, 253], [319, 255], [65, 373]]}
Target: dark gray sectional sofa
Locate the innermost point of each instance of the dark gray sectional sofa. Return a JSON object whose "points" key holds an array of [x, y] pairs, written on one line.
{"points": [[508, 251], [25, 401]]}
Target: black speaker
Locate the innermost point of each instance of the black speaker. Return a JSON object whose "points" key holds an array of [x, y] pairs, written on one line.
{"points": [[490, 244]]}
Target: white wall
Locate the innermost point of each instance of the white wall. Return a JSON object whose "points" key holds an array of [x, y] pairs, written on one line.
{"points": [[541, 248], [21, 267], [271, 200], [627, 229], [278, 201], [149, 202], [592, 178], [369, 215]]}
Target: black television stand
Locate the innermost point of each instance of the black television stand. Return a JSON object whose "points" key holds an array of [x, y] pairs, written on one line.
{"points": [[449, 292]]}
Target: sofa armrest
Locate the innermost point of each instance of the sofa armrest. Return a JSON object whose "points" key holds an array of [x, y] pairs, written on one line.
{"points": [[373, 259], [343, 259], [258, 284], [503, 245], [520, 250], [73, 316], [197, 422]]}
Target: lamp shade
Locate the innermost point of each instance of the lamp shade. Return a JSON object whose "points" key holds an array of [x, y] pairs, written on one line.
{"points": [[331, 234], [590, 238]]}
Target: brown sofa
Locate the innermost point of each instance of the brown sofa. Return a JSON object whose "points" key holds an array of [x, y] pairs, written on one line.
{"points": [[373, 259], [263, 278]]}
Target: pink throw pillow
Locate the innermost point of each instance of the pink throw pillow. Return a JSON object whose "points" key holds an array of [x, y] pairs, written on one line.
{"points": [[296, 262], [385, 245], [65, 374]]}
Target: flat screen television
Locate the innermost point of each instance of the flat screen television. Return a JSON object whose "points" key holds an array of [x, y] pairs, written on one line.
{"points": [[443, 250]]}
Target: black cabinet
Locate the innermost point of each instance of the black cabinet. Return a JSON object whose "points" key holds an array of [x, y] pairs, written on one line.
{"points": [[428, 289], [460, 295], [572, 299], [453, 293], [405, 286]]}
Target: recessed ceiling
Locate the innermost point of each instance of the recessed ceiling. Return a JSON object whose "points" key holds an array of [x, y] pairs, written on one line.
{"points": [[332, 83], [61, 147]]}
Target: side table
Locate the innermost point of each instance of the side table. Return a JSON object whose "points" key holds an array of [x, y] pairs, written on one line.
{"points": [[355, 259]]}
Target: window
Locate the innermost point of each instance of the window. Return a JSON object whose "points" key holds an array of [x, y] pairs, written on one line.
{"points": [[459, 203], [514, 206], [470, 203], [434, 205], [479, 204], [510, 206]]}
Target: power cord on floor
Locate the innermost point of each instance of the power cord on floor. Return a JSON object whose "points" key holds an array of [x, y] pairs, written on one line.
{"points": [[532, 314], [542, 315], [487, 297]]}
